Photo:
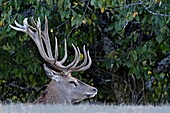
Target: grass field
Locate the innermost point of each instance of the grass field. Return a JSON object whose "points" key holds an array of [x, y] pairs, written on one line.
{"points": [[83, 108]]}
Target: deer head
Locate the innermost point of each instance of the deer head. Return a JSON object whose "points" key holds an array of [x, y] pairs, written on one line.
{"points": [[63, 88]]}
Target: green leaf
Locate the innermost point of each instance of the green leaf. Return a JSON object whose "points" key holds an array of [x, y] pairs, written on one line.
{"points": [[138, 76], [99, 3], [135, 37], [130, 17], [134, 55], [93, 2], [60, 4], [159, 39], [111, 26], [144, 48], [137, 18], [94, 17], [128, 64]]}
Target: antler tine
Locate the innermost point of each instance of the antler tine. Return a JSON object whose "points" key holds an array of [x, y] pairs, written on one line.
{"points": [[38, 27], [83, 66], [46, 39], [88, 65], [37, 37], [78, 58], [75, 58], [56, 49], [19, 27], [84, 62], [33, 21], [65, 52], [29, 26]]}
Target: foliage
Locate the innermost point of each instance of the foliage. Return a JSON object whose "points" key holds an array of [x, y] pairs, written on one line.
{"points": [[126, 39]]}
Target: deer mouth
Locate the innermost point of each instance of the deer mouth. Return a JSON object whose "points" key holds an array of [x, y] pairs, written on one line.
{"points": [[90, 95], [75, 101]]}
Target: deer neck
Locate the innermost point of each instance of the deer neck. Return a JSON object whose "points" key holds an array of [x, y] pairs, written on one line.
{"points": [[53, 94]]}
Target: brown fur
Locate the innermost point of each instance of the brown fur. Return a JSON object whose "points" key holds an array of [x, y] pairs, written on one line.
{"points": [[52, 95]]}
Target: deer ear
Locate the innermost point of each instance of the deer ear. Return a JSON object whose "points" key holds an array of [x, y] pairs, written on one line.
{"points": [[50, 73]]}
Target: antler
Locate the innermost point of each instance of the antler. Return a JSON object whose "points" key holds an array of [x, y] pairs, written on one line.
{"points": [[39, 36]]}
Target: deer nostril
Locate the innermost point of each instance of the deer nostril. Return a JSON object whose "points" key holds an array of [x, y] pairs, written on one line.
{"points": [[94, 90]]}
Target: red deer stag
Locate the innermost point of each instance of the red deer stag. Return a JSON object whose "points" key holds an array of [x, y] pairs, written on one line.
{"points": [[63, 88]]}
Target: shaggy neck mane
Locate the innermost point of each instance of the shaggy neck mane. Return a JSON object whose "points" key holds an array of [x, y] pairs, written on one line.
{"points": [[52, 95]]}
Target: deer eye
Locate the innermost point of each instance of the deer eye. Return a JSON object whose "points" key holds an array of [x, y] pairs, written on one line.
{"points": [[72, 82]]}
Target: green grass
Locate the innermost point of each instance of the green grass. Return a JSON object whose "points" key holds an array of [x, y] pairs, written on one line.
{"points": [[83, 108]]}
